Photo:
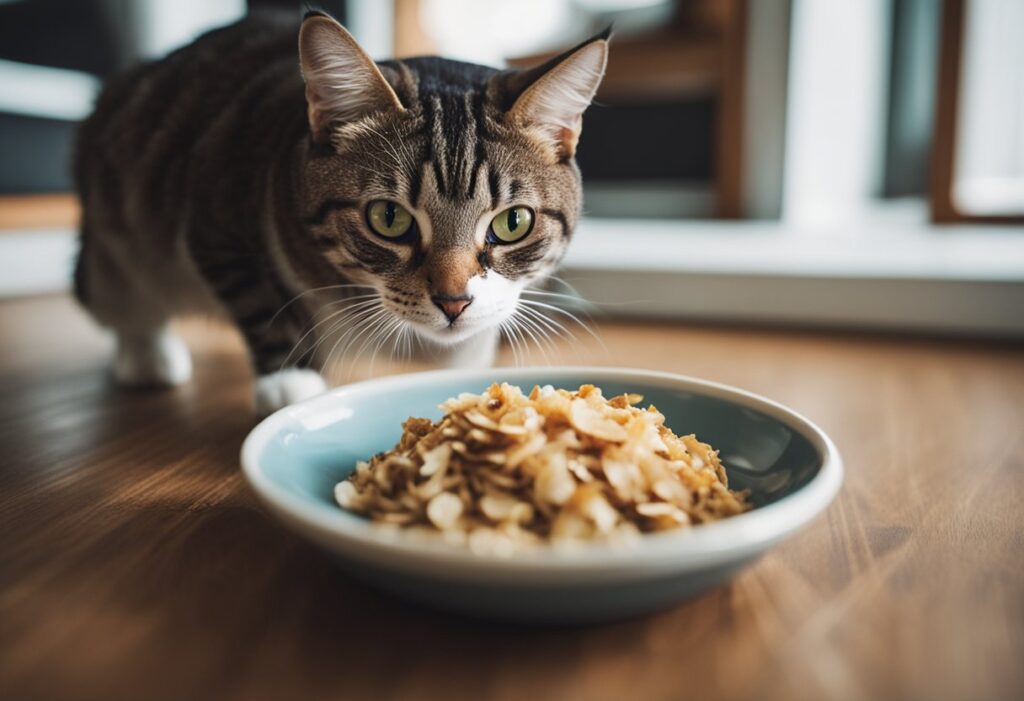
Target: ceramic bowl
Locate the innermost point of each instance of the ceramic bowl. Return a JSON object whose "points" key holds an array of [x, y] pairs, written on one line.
{"points": [[293, 459]]}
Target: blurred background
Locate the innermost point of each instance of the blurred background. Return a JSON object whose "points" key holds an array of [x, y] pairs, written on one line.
{"points": [[803, 162]]}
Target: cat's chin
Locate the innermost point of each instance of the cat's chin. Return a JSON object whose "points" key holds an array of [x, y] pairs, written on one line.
{"points": [[449, 335]]}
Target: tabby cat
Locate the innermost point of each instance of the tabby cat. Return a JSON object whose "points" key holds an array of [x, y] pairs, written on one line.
{"points": [[425, 192]]}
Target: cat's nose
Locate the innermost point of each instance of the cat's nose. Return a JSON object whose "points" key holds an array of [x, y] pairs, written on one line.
{"points": [[452, 306]]}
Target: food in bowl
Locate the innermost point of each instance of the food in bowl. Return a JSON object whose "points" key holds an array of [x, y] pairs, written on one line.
{"points": [[503, 469]]}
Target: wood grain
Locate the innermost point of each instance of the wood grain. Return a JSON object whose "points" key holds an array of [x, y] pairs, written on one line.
{"points": [[134, 564]]}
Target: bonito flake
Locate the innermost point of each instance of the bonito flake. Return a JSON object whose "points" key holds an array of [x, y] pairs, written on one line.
{"points": [[503, 470]]}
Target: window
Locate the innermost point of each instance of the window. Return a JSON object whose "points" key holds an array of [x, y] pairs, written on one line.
{"points": [[798, 161]]}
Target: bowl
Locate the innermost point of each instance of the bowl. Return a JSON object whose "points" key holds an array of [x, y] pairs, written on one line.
{"points": [[293, 459]]}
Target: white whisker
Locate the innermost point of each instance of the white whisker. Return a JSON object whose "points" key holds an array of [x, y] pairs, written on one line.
{"points": [[340, 312], [552, 325], [517, 334], [570, 315], [365, 323], [397, 162], [379, 327], [548, 293], [353, 318], [542, 334], [393, 327], [564, 283], [311, 291], [503, 331]]}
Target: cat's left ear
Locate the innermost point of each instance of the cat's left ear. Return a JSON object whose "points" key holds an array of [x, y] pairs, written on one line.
{"points": [[558, 92], [343, 84]]}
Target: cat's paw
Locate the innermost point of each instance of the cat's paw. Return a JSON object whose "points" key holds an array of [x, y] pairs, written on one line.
{"points": [[279, 389], [160, 359]]}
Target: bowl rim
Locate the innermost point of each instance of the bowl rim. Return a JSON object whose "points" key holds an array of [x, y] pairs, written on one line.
{"points": [[736, 538]]}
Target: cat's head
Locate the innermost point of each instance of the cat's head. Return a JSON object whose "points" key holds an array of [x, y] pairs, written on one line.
{"points": [[448, 187]]}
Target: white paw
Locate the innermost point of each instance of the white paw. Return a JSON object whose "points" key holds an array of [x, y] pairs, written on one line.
{"points": [[279, 389], [159, 359]]}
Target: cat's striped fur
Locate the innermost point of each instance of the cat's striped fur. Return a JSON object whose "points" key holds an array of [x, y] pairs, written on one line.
{"points": [[217, 179]]}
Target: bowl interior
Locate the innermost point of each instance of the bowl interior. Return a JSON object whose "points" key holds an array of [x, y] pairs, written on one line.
{"points": [[322, 440]]}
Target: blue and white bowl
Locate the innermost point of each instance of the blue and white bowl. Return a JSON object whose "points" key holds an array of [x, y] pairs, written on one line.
{"points": [[293, 459]]}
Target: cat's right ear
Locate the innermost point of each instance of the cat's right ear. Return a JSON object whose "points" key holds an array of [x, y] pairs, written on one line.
{"points": [[343, 84]]}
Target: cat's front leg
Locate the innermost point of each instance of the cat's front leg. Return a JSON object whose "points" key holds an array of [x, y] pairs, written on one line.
{"points": [[247, 288], [475, 352]]}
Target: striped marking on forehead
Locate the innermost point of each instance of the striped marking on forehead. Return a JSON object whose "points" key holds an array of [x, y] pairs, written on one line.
{"points": [[456, 126]]}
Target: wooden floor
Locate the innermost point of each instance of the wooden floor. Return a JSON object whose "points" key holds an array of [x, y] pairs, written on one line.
{"points": [[134, 564]]}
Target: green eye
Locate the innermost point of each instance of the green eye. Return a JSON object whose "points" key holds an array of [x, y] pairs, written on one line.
{"points": [[389, 219], [511, 225]]}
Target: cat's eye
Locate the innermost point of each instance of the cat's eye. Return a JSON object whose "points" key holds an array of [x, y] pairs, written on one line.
{"points": [[511, 225], [389, 219]]}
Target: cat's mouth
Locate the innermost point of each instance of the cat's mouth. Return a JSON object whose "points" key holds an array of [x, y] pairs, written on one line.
{"points": [[450, 332], [450, 320]]}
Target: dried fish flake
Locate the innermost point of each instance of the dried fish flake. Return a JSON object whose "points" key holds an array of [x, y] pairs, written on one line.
{"points": [[505, 470]]}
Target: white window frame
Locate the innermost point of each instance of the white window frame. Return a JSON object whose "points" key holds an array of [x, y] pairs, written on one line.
{"points": [[837, 256]]}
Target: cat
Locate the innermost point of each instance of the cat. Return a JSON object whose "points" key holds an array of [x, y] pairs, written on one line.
{"points": [[242, 175]]}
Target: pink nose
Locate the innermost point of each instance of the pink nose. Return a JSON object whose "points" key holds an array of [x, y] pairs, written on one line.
{"points": [[451, 306]]}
